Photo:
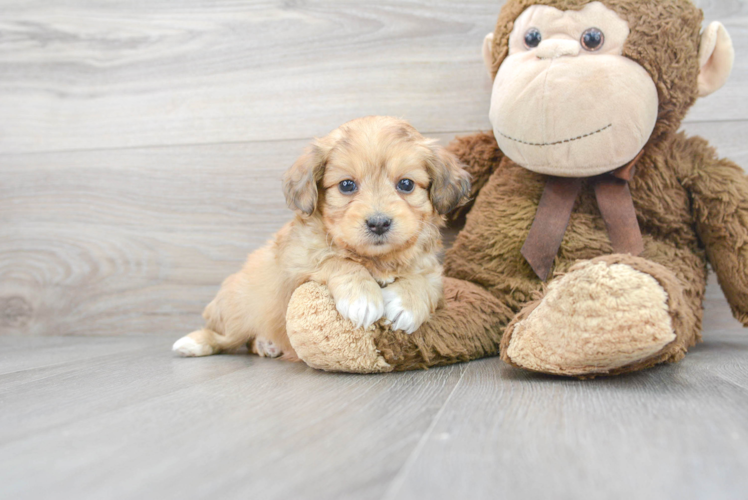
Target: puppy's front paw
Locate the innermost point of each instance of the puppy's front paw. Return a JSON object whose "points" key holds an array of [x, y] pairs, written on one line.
{"points": [[361, 303], [400, 316]]}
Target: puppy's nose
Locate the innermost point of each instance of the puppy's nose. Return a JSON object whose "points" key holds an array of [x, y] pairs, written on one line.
{"points": [[379, 224]]}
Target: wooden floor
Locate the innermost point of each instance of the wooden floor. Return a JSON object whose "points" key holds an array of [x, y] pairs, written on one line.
{"points": [[141, 149], [120, 417]]}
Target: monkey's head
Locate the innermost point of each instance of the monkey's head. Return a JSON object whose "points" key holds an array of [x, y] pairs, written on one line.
{"points": [[581, 87]]}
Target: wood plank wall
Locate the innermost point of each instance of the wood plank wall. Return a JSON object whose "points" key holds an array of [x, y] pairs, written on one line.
{"points": [[142, 143]]}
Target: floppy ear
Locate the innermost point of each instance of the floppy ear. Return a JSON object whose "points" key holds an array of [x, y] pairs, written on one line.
{"points": [[450, 183], [300, 181], [716, 57]]}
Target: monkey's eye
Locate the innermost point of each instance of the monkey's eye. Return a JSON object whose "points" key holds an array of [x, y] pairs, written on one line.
{"points": [[347, 186], [532, 38], [592, 39], [406, 186]]}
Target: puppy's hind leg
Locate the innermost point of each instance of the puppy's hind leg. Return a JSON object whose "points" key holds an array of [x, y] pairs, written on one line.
{"points": [[251, 303], [273, 341], [264, 347], [226, 328]]}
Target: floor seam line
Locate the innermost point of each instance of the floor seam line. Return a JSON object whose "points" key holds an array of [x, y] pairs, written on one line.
{"points": [[192, 144], [271, 140], [74, 362], [729, 381], [399, 479]]}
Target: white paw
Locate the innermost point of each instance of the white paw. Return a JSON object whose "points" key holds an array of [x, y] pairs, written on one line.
{"points": [[266, 348], [399, 317], [360, 311], [187, 346]]}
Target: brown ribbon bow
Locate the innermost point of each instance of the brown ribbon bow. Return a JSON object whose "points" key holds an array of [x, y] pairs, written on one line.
{"points": [[555, 207]]}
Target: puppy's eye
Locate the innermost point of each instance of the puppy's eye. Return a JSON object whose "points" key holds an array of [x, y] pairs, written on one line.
{"points": [[406, 186], [347, 186]]}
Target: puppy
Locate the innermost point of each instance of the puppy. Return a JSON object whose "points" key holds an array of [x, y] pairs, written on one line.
{"points": [[369, 201]]}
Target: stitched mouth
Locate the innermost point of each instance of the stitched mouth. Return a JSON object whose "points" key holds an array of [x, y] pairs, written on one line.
{"points": [[540, 144]]}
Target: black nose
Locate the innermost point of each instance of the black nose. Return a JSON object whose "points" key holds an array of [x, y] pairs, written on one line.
{"points": [[379, 224]]}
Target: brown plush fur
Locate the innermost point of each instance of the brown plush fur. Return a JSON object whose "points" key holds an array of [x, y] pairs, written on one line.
{"points": [[467, 328], [691, 206]]}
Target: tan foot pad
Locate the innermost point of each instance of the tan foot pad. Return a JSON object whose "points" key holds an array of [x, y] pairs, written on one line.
{"points": [[326, 341], [598, 317]]}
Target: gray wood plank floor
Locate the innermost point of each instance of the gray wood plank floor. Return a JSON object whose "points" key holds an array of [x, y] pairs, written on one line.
{"points": [[141, 148], [121, 418]]}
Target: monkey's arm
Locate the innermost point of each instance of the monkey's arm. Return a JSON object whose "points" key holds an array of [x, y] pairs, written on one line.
{"points": [[481, 156], [719, 191]]}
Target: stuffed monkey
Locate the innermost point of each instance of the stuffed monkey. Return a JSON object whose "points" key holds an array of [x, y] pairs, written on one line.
{"points": [[585, 251]]}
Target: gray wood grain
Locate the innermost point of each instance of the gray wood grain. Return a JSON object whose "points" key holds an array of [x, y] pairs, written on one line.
{"points": [[88, 75], [130, 421], [136, 240], [672, 432], [235, 426], [148, 232]]}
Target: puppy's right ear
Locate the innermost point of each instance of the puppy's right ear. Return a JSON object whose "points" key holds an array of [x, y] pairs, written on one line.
{"points": [[300, 181]]}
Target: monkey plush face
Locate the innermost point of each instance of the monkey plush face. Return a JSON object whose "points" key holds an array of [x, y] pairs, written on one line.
{"points": [[580, 86], [565, 100]]}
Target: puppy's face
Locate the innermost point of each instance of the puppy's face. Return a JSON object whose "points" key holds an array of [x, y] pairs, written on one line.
{"points": [[377, 183], [375, 193]]}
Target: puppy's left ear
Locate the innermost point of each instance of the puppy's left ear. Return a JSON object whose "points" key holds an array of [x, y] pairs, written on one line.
{"points": [[300, 181], [450, 183]]}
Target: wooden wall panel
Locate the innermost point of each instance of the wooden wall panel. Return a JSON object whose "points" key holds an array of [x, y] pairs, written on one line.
{"points": [[89, 75], [142, 143]]}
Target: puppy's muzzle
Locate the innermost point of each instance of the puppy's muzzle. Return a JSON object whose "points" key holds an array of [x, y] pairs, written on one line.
{"points": [[379, 224]]}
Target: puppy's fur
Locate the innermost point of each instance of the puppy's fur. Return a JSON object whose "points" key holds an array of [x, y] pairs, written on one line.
{"points": [[334, 239]]}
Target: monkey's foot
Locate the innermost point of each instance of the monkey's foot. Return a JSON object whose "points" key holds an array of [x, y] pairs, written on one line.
{"points": [[613, 314], [325, 340]]}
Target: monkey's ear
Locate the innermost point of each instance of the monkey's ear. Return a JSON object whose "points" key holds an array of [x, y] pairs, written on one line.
{"points": [[300, 181], [450, 183], [716, 56], [488, 53]]}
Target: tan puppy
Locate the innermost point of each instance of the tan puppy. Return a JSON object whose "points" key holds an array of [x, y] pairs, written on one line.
{"points": [[369, 199]]}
